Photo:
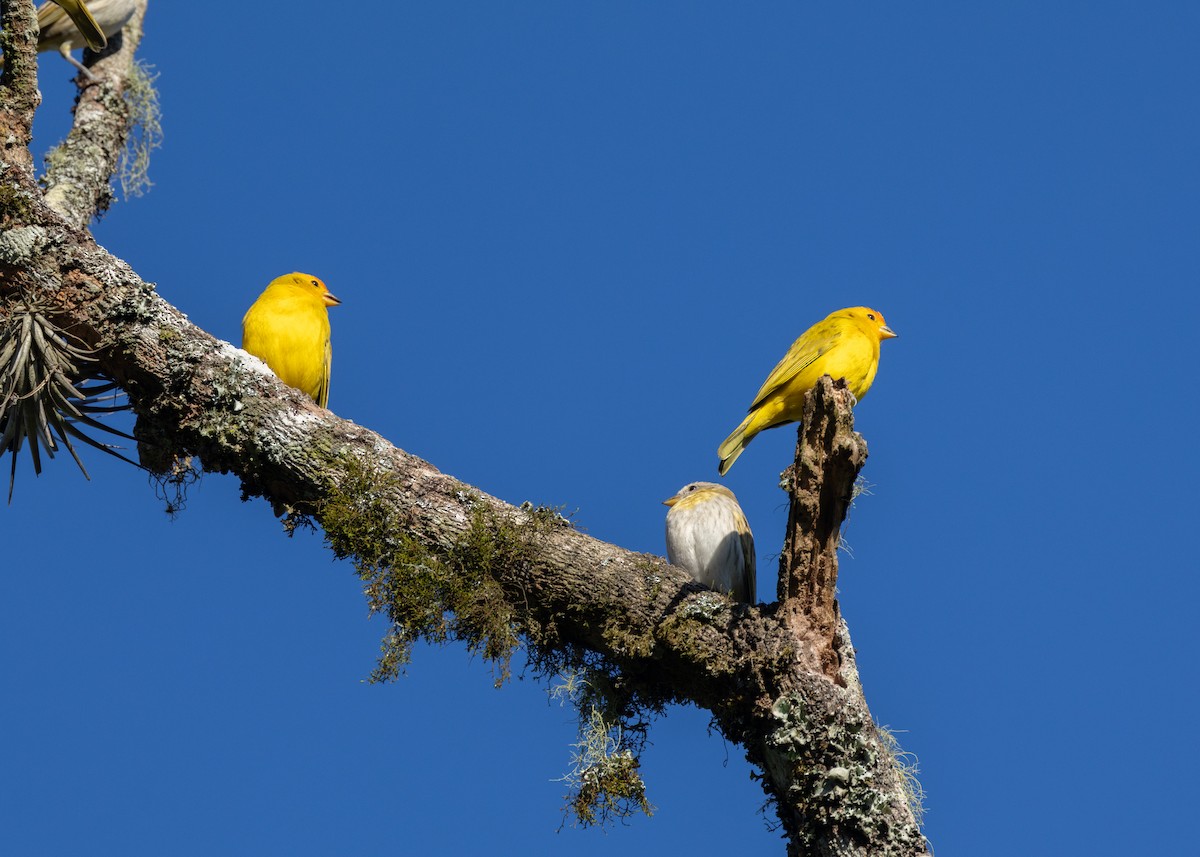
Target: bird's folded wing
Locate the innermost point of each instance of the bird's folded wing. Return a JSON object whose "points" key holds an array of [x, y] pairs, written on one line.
{"points": [[751, 578], [804, 351], [322, 397]]}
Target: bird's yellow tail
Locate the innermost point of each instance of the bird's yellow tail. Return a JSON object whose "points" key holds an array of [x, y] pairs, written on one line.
{"points": [[732, 446], [83, 20]]}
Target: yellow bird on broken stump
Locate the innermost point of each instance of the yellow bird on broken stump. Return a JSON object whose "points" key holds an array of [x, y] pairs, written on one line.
{"points": [[288, 328], [844, 345]]}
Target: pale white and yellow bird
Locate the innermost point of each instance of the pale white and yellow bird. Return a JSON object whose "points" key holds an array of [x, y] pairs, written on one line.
{"points": [[708, 534], [69, 24]]}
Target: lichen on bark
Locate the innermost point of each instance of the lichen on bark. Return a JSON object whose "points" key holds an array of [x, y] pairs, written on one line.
{"points": [[443, 560]]}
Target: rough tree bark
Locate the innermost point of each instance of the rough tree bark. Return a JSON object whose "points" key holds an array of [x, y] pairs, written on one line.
{"points": [[779, 679]]}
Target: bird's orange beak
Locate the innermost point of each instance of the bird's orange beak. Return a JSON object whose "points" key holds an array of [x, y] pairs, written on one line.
{"points": [[886, 332], [671, 501], [331, 300]]}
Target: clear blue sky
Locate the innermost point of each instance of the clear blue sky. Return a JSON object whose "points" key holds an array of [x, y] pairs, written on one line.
{"points": [[571, 240]]}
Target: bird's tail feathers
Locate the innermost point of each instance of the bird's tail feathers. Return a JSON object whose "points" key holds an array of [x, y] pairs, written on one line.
{"points": [[88, 28], [732, 446]]}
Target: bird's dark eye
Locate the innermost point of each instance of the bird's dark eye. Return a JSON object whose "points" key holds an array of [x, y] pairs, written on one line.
{"points": [[871, 316]]}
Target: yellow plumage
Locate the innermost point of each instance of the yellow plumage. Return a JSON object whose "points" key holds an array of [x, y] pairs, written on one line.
{"points": [[844, 345], [288, 328]]}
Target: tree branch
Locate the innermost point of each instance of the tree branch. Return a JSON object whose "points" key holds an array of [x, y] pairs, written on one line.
{"points": [[831, 773], [779, 679], [829, 455], [19, 96], [79, 171]]}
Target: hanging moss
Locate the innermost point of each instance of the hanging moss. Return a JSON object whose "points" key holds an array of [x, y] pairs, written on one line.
{"points": [[451, 594]]}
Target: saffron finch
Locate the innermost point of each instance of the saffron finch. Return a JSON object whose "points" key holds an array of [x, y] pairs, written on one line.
{"points": [[844, 345], [68, 24], [288, 328], [707, 534]]}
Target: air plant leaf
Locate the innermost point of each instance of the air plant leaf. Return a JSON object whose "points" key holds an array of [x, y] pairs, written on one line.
{"points": [[51, 389]]}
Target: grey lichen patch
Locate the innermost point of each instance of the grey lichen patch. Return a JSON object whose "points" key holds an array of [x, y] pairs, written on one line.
{"points": [[224, 383], [846, 795], [789, 710], [220, 421], [200, 404], [227, 433], [139, 305], [705, 607], [18, 246]]}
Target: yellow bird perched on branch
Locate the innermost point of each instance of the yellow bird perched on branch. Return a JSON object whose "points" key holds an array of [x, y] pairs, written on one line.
{"points": [[288, 328], [844, 345], [707, 533], [69, 24]]}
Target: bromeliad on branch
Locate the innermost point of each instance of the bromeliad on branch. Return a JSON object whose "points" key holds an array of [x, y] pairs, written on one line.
{"points": [[50, 390]]}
